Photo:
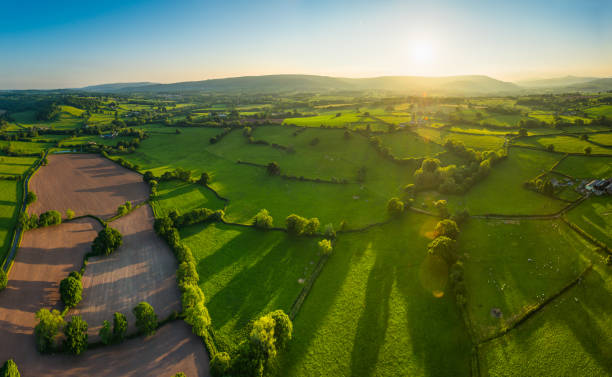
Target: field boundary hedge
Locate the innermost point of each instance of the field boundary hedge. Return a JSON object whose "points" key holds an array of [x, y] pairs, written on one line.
{"points": [[584, 234], [559, 152], [299, 301], [340, 181]]}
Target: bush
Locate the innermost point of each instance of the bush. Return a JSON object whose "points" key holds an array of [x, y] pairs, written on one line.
{"points": [[49, 323], [120, 326], [442, 207], [50, 218], [187, 274], [329, 231], [273, 169], [69, 214], [3, 279], [71, 291], [146, 319], [263, 219], [445, 248], [395, 207], [295, 224], [312, 226], [107, 241], [76, 335], [204, 179], [106, 333], [30, 198], [9, 369], [325, 246], [220, 364], [446, 228]]}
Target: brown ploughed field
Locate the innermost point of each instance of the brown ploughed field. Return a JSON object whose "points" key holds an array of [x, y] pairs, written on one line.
{"points": [[86, 183], [142, 269]]}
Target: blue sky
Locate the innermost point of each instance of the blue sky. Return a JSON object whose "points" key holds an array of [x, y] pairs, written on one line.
{"points": [[53, 44]]}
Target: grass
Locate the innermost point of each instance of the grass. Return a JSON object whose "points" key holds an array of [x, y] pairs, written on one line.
{"points": [[513, 265], [82, 140], [371, 311], [408, 144], [245, 273], [601, 110], [183, 197], [594, 216], [15, 165], [586, 167], [481, 142], [25, 147], [569, 336], [10, 199], [605, 139], [566, 144]]}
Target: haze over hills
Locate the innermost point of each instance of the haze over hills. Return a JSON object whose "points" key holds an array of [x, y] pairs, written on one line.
{"points": [[449, 85]]}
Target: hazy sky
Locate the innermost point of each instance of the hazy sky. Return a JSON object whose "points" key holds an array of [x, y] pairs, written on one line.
{"points": [[51, 44]]}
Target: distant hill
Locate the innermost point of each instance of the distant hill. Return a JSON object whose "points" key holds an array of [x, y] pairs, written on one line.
{"points": [[116, 86], [555, 82], [451, 85], [597, 85]]}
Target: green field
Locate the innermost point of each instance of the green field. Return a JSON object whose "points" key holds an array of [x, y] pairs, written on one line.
{"points": [[481, 142], [371, 311], [10, 199], [15, 165], [408, 144], [566, 144], [594, 216], [586, 167], [183, 197]]}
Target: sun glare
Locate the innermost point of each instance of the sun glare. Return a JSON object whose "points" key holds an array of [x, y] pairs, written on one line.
{"points": [[422, 52]]}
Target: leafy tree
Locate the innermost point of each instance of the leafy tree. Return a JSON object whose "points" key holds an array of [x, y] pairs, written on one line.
{"points": [[587, 150], [263, 219], [283, 328], [522, 132], [395, 207], [49, 323], [106, 333], [204, 179], [312, 226], [69, 214], [295, 224], [442, 207], [30, 198], [187, 274], [220, 364], [120, 326], [446, 228], [273, 168], [76, 335], [325, 246], [107, 241], [3, 279], [148, 176], [262, 338], [444, 247], [50, 218], [199, 319], [71, 291], [329, 231], [9, 369], [550, 148], [192, 295], [146, 319]]}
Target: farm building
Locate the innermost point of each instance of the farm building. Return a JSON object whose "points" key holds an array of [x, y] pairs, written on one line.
{"points": [[599, 186]]}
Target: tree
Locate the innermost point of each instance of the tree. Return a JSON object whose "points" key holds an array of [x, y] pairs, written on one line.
{"points": [[522, 132], [71, 291], [550, 148], [49, 323], [283, 328], [106, 333], [192, 295], [107, 241], [76, 335], [442, 207], [295, 224], [447, 228], [187, 274], [69, 214], [263, 219], [220, 364], [262, 338], [148, 176], [273, 168], [146, 319], [180, 374], [325, 246], [204, 179], [312, 226], [50, 218], [395, 207], [587, 150], [31, 197], [3, 279], [444, 247], [119, 327], [9, 369]]}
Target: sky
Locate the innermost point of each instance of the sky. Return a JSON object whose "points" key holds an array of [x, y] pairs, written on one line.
{"points": [[65, 43]]}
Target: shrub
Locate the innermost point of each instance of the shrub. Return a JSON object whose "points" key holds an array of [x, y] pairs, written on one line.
{"points": [[204, 179], [76, 335], [148, 176], [49, 323], [187, 274], [442, 207], [192, 295], [446, 228], [50, 218], [312, 226], [263, 219], [395, 207], [550, 148], [71, 291], [273, 169], [30, 198], [329, 231], [444, 247], [146, 319], [69, 214], [107, 241], [325, 246], [120, 326], [587, 150], [295, 224], [199, 319], [9, 369], [283, 328], [3, 279], [220, 364], [106, 333]]}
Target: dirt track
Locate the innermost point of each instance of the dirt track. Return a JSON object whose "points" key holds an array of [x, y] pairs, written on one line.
{"points": [[143, 269], [46, 256], [87, 184]]}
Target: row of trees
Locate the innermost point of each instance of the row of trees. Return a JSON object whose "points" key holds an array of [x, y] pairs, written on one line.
{"points": [[34, 221]]}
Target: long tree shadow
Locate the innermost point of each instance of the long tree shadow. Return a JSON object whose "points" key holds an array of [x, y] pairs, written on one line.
{"points": [[372, 326]]}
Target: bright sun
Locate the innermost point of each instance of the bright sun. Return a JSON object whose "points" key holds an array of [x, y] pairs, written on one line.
{"points": [[422, 52]]}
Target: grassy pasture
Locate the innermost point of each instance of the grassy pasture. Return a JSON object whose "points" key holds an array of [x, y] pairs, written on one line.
{"points": [[81, 140], [408, 144], [245, 273], [605, 139], [601, 110], [586, 167], [10, 165], [481, 142], [25, 147], [10, 199], [370, 313], [183, 197], [569, 336], [566, 144], [512, 265], [594, 216]]}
